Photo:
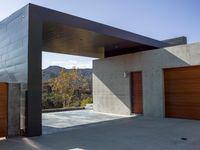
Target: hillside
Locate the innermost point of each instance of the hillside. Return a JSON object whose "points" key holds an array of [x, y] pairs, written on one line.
{"points": [[53, 71]]}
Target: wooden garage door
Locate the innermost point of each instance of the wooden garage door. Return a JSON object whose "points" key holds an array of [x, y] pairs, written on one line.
{"points": [[137, 106], [3, 109], [182, 92]]}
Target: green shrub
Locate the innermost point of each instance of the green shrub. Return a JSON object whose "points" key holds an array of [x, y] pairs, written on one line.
{"points": [[51, 101], [86, 101], [75, 103]]}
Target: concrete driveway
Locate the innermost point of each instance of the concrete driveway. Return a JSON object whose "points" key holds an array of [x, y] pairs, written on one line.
{"points": [[63, 121], [123, 134]]}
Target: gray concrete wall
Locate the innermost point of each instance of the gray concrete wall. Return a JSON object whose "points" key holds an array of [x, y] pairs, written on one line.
{"points": [[14, 47], [111, 91], [14, 51], [14, 94], [20, 62]]}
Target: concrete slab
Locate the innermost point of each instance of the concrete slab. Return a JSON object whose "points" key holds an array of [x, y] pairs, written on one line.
{"points": [[122, 134], [62, 121]]}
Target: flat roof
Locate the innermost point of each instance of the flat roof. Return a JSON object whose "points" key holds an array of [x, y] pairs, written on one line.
{"points": [[62, 31], [68, 34]]}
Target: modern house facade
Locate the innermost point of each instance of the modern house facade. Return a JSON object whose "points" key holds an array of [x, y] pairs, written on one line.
{"points": [[170, 82], [132, 75]]}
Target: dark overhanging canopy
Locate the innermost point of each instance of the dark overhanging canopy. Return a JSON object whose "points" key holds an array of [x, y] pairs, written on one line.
{"points": [[53, 31], [67, 34], [33, 29]]}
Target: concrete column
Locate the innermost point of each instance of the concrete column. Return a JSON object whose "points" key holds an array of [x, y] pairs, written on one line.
{"points": [[13, 110]]}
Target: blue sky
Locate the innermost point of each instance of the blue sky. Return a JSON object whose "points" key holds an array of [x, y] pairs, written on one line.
{"points": [[159, 19]]}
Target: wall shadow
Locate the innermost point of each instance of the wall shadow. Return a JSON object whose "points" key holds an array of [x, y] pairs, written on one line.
{"points": [[53, 130], [108, 75]]}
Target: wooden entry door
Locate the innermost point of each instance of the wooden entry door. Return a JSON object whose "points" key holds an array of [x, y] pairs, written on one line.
{"points": [[136, 82], [182, 92], [3, 109]]}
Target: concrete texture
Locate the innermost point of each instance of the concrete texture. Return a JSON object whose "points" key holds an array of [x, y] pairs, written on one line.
{"points": [[23, 88], [111, 91], [14, 47], [14, 109], [63, 121], [123, 134]]}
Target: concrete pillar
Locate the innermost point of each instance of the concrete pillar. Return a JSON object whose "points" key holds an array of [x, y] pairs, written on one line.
{"points": [[13, 109]]}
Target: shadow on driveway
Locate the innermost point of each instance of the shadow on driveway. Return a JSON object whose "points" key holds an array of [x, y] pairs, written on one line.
{"points": [[122, 134]]}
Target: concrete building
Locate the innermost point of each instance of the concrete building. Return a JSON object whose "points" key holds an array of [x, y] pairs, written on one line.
{"points": [[129, 77], [113, 92]]}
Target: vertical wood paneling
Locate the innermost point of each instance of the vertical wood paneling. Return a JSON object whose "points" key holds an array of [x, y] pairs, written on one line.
{"points": [[182, 92], [3, 109], [137, 105]]}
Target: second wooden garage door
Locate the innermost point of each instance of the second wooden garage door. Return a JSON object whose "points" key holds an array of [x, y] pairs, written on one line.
{"points": [[182, 92]]}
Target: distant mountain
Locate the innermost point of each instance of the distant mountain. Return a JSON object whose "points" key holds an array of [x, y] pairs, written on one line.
{"points": [[53, 71]]}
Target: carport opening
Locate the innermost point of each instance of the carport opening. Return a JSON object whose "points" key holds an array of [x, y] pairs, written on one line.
{"points": [[66, 87], [80, 41], [66, 82], [67, 93]]}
